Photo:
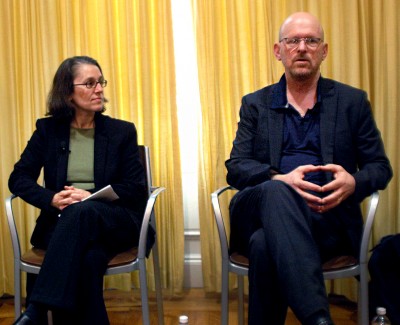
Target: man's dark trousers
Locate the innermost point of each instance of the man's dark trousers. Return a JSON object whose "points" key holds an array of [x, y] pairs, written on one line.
{"points": [[272, 225]]}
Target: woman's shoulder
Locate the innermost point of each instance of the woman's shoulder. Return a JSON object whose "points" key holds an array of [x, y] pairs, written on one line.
{"points": [[109, 121], [45, 120], [114, 127], [50, 123], [51, 120]]}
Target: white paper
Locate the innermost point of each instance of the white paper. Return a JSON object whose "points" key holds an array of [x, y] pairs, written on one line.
{"points": [[106, 194]]}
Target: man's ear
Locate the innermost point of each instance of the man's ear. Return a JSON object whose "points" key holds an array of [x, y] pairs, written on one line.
{"points": [[325, 52], [277, 51]]}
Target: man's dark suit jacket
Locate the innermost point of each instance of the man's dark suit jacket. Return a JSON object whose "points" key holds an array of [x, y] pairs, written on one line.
{"points": [[349, 137], [116, 162]]}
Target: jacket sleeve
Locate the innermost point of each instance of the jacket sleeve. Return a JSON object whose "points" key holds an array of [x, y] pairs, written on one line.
{"points": [[244, 168], [374, 170], [24, 177], [124, 170]]}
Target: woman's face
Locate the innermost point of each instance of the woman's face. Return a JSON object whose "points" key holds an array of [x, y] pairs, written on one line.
{"points": [[87, 99]]}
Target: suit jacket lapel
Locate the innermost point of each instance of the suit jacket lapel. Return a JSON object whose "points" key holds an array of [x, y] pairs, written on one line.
{"points": [[62, 149], [275, 136], [100, 150], [275, 124], [328, 120]]}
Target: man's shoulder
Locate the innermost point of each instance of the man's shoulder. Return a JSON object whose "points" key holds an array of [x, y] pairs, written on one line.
{"points": [[263, 91], [340, 87], [261, 95]]}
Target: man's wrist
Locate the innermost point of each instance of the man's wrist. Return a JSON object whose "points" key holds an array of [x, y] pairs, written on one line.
{"points": [[273, 173]]}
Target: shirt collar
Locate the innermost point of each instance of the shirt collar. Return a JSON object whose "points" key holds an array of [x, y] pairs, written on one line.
{"points": [[279, 97]]}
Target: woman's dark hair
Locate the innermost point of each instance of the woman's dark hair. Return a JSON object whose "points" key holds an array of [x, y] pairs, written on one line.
{"points": [[58, 101]]}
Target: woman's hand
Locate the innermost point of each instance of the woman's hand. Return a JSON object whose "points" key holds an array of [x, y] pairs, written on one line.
{"points": [[68, 196]]}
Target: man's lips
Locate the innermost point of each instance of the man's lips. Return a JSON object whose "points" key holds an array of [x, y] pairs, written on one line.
{"points": [[301, 60]]}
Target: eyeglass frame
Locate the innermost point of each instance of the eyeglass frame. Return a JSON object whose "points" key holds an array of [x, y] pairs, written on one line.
{"points": [[103, 84], [299, 39]]}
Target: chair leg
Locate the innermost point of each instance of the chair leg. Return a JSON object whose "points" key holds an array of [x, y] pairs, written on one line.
{"points": [[143, 292], [224, 293], [157, 280], [363, 308], [240, 299], [49, 318], [17, 289]]}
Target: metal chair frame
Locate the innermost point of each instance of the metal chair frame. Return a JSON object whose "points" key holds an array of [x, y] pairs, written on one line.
{"points": [[230, 263], [134, 263]]}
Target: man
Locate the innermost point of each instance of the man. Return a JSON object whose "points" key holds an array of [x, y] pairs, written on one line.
{"points": [[306, 153]]}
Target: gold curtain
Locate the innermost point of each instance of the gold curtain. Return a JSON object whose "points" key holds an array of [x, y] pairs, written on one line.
{"points": [[234, 48], [132, 40]]}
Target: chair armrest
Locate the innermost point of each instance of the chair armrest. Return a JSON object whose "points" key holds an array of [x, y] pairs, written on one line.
{"points": [[13, 227], [371, 212], [221, 190], [147, 218], [220, 220]]}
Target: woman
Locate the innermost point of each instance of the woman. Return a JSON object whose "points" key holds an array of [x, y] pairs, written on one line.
{"points": [[81, 151]]}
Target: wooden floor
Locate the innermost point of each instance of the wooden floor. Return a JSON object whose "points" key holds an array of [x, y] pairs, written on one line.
{"points": [[124, 308]]}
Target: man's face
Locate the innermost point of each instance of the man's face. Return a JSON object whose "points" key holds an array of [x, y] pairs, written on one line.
{"points": [[301, 47]]}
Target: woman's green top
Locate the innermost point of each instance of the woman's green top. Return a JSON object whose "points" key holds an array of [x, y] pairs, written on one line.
{"points": [[81, 158]]}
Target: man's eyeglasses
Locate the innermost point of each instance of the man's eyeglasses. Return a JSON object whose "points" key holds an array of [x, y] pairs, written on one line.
{"points": [[293, 42], [93, 84]]}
